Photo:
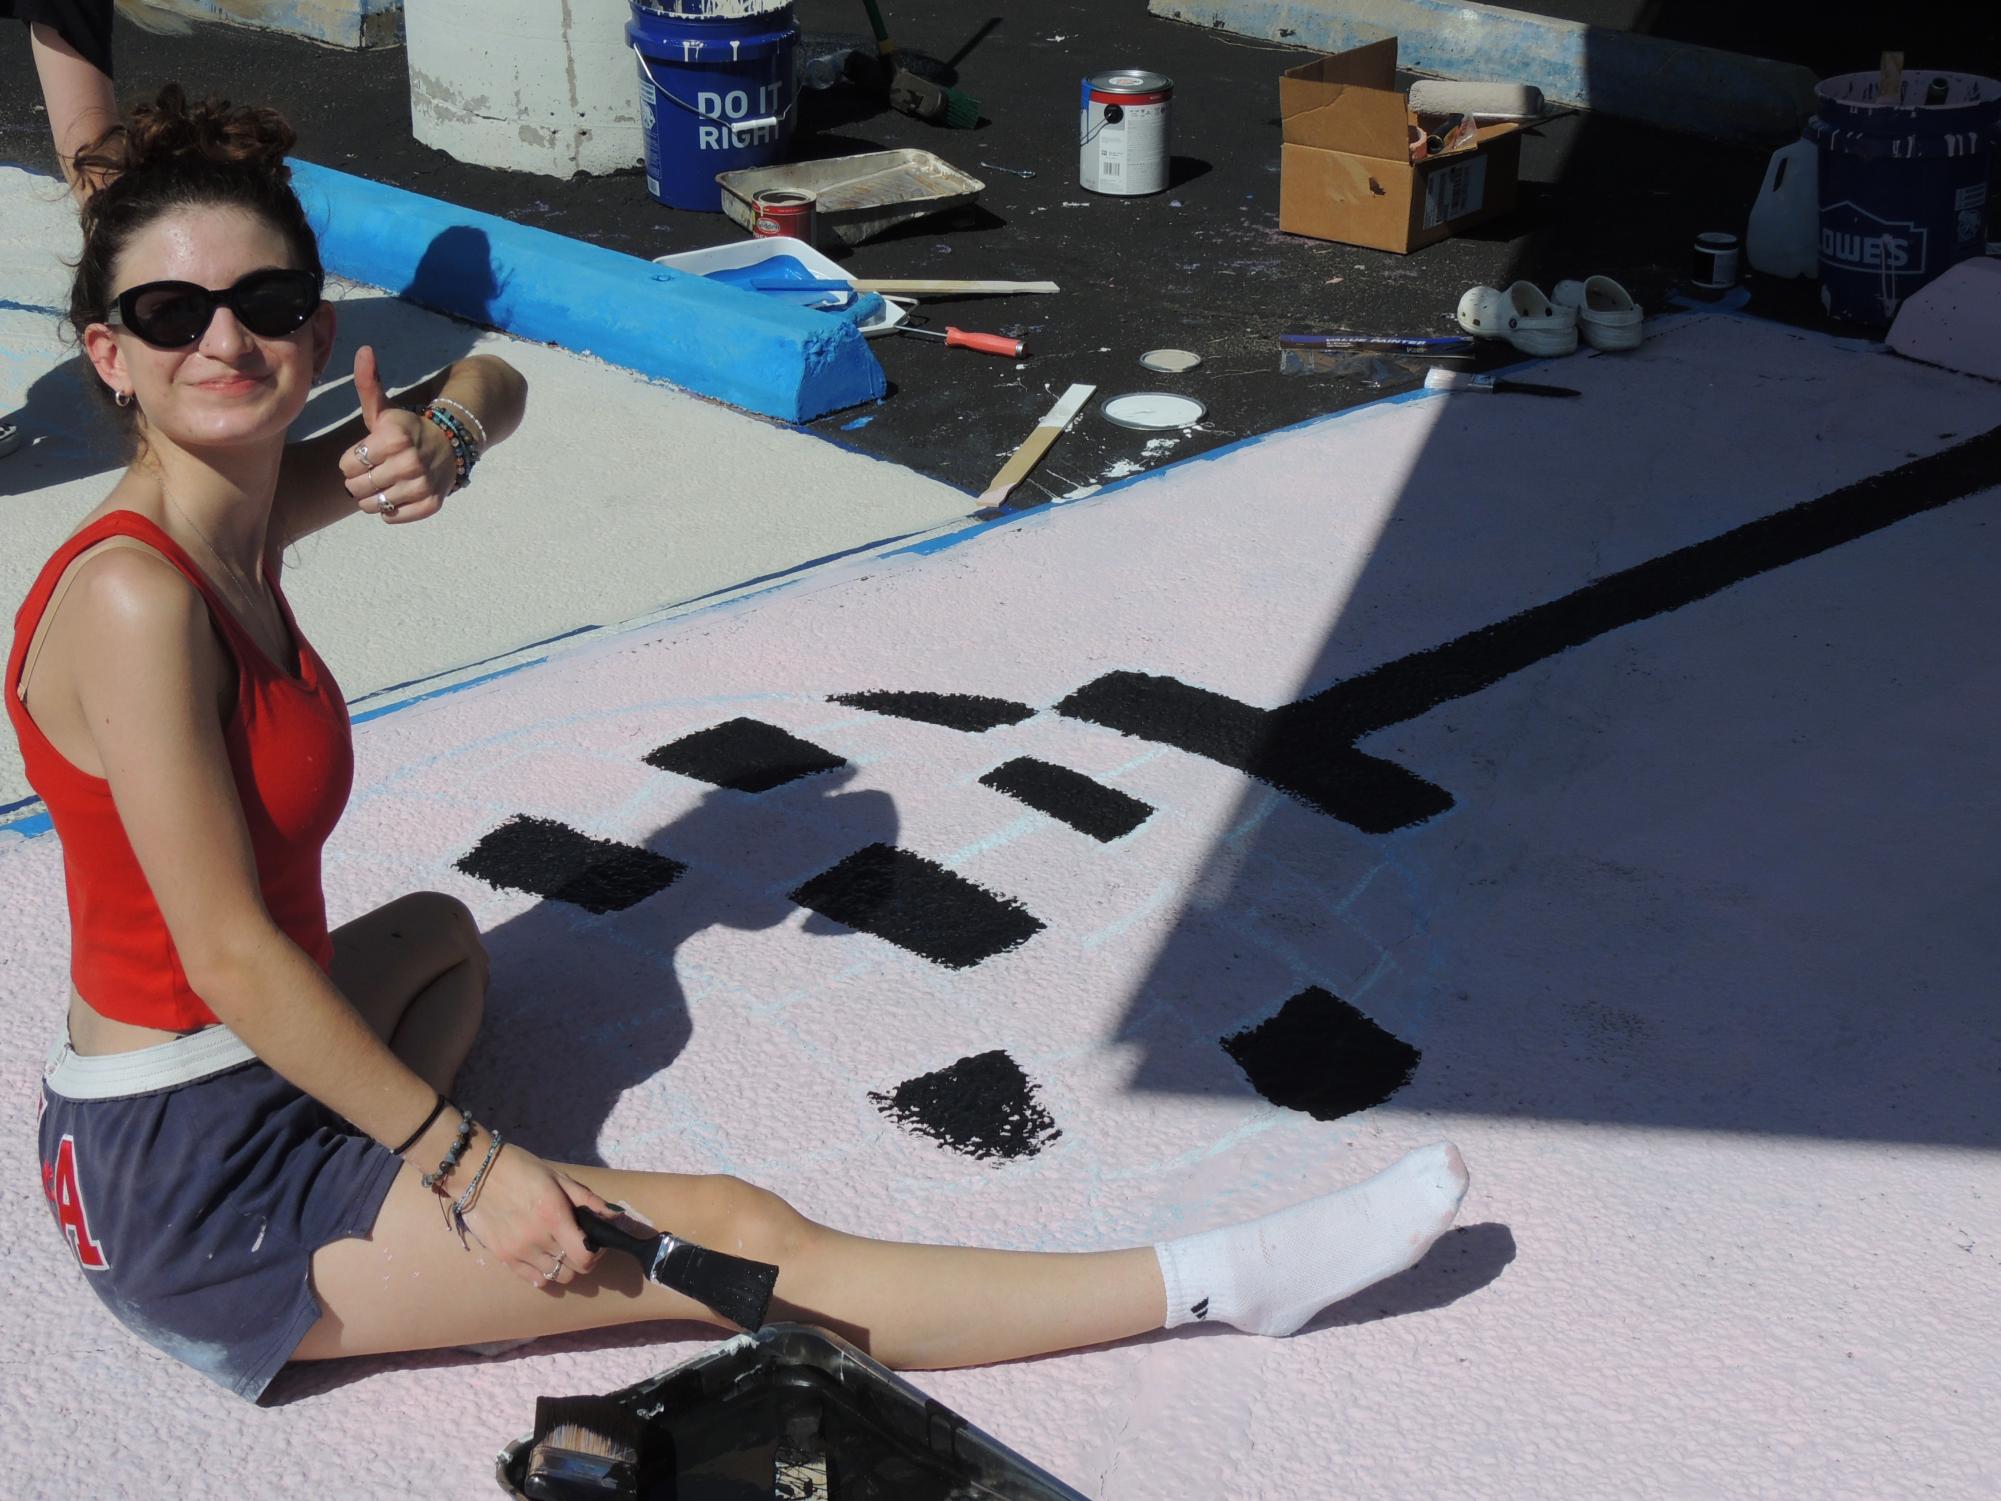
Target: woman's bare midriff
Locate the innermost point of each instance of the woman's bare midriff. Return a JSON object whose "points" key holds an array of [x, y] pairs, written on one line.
{"points": [[92, 1035]]}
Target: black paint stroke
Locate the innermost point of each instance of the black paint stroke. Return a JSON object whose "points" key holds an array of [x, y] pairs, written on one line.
{"points": [[955, 711], [983, 1106], [747, 755], [918, 905], [1090, 807], [553, 860], [1320, 1055], [1307, 748]]}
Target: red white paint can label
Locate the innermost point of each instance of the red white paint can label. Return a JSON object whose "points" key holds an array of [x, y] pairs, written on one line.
{"points": [[1122, 129], [783, 211]]}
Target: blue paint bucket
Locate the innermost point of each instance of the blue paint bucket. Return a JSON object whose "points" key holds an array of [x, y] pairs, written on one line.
{"points": [[716, 91], [1903, 184]]}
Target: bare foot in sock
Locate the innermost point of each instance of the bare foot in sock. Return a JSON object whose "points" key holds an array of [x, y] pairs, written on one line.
{"points": [[1271, 1275]]}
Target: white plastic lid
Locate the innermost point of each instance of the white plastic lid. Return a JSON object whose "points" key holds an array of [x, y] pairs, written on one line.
{"points": [[1151, 410]]}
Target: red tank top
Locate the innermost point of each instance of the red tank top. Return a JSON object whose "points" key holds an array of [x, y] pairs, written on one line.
{"points": [[291, 754]]}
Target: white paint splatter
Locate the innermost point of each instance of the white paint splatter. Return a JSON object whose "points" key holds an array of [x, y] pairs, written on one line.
{"points": [[257, 1244], [1121, 468]]}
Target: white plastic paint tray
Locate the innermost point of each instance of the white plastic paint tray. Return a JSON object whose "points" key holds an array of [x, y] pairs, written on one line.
{"points": [[742, 253], [857, 196], [796, 1411]]}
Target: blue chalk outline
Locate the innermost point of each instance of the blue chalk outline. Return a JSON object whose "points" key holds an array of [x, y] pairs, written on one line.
{"points": [[737, 346]]}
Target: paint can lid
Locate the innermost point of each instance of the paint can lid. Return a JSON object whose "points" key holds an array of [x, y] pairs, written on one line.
{"points": [[1150, 411], [1170, 361], [1130, 81]]}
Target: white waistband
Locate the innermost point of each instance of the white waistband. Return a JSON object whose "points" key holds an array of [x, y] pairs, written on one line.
{"points": [[111, 1076]]}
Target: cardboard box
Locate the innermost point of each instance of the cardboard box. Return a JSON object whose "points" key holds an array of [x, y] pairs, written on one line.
{"points": [[1345, 171]]}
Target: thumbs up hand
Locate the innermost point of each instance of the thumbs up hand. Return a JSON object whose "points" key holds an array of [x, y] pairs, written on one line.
{"points": [[403, 469]]}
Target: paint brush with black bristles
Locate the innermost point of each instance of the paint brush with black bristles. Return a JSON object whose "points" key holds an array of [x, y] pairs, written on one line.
{"points": [[735, 1287]]}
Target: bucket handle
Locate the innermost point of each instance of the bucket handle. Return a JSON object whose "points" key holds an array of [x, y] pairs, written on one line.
{"points": [[774, 121]]}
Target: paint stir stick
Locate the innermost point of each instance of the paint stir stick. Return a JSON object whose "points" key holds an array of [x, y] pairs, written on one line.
{"points": [[1031, 451]]}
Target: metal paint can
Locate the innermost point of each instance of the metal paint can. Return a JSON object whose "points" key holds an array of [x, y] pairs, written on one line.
{"points": [[1122, 129], [783, 211], [1715, 262]]}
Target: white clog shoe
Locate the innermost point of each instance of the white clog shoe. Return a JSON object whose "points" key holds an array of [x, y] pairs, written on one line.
{"points": [[1522, 315], [1607, 316]]}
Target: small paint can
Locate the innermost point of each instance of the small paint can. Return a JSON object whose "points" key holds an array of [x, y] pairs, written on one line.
{"points": [[1715, 264], [783, 211], [1122, 127]]}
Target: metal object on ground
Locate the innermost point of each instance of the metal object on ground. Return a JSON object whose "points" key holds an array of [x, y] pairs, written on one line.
{"points": [[1010, 171], [1715, 263], [1170, 361], [798, 1406], [857, 196], [1123, 117], [1152, 411], [783, 211]]}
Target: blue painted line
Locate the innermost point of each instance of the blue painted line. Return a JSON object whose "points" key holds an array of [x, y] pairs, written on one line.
{"points": [[582, 630], [859, 422], [26, 802], [9, 306], [739, 347], [450, 688], [31, 827]]}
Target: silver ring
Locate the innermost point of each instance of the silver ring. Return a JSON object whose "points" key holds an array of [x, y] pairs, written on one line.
{"points": [[555, 1271], [384, 506], [361, 452]]}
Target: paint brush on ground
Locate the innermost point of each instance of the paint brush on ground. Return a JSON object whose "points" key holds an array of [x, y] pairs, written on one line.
{"points": [[586, 1449], [915, 95], [1032, 449], [736, 1288], [1460, 380]]}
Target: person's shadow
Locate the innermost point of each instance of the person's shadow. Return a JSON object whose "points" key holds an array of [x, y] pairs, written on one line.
{"points": [[585, 1007]]}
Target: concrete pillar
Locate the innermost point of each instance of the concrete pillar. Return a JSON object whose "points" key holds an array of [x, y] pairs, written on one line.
{"points": [[535, 85]]}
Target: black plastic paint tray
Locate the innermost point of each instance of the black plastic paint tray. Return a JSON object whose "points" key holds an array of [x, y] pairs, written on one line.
{"points": [[793, 1412]]}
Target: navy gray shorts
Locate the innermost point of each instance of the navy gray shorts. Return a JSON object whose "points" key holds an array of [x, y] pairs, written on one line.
{"points": [[193, 1185]]}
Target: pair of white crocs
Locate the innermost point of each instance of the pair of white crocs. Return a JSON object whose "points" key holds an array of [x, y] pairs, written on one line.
{"points": [[1597, 307]]}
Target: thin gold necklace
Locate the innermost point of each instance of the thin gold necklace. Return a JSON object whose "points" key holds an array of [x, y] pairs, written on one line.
{"points": [[248, 592]]}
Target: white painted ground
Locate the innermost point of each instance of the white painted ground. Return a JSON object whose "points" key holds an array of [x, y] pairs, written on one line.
{"points": [[616, 497], [1700, 963]]}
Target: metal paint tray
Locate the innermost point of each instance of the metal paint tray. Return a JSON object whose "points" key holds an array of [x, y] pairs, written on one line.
{"points": [[793, 1411], [857, 196]]}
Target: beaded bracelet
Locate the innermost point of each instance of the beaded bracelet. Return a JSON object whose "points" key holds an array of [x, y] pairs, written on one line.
{"points": [[465, 452], [434, 1181], [456, 1215], [436, 1111], [478, 427]]}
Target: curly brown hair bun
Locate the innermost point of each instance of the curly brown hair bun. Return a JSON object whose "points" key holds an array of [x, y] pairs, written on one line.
{"points": [[170, 154]]}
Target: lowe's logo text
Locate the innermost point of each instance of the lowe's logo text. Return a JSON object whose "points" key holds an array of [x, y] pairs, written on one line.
{"points": [[1872, 243]]}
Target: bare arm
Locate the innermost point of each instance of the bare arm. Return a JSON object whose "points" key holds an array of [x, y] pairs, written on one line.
{"points": [[79, 98], [149, 695], [322, 480]]}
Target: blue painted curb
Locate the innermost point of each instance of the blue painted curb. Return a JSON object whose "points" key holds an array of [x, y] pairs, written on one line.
{"points": [[720, 341], [1676, 85]]}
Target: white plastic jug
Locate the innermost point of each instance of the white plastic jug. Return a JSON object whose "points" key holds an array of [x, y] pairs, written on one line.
{"points": [[1782, 238]]}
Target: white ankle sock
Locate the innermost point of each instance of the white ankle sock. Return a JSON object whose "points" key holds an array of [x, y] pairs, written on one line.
{"points": [[1271, 1275]]}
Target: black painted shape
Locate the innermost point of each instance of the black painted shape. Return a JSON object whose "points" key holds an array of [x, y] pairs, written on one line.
{"points": [[1089, 807], [983, 1106], [1322, 1056], [1307, 748], [553, 860], [955, 711], [919, 905], [745, 754], [1374, 795]]}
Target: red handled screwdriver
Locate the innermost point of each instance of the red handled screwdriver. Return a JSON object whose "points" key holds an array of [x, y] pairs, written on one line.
{"points": [[959, 338]]}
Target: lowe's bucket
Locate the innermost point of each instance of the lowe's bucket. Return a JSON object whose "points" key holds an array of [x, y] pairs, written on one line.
{"points": [[716, 91], [1903, 184]]}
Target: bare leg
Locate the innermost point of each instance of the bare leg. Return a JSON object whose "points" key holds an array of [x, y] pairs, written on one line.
{"points": [[416, 970], [409, 1286], [79, 98]]}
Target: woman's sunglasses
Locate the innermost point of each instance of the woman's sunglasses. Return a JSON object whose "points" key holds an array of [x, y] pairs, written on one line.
{"points": [[174, 314]]}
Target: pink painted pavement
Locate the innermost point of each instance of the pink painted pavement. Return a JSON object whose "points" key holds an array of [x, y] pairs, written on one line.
{"points": [[1699, 963]]}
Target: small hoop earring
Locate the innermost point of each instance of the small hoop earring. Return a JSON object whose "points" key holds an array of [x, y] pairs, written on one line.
{"points": [[123, 398]]}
